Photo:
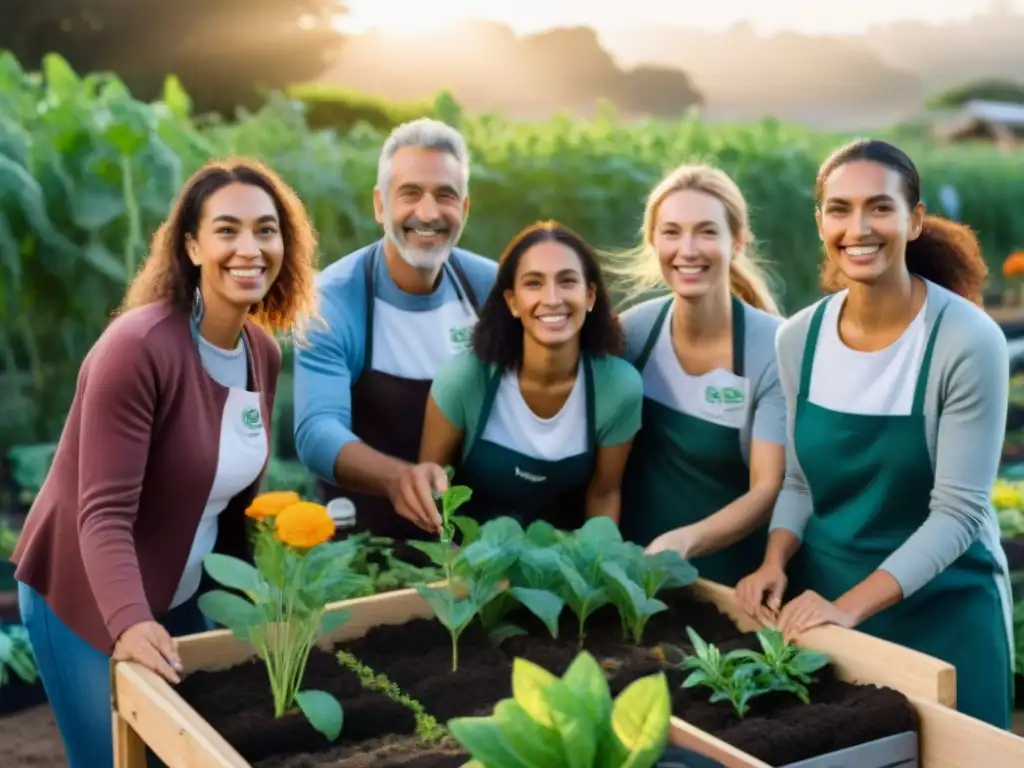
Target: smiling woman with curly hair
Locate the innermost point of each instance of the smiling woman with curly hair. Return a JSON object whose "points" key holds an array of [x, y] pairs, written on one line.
{"points": [[539, 416], [165, 443]]}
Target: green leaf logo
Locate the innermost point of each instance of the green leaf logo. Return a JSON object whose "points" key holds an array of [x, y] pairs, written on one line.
{"points": [[251, 418]]}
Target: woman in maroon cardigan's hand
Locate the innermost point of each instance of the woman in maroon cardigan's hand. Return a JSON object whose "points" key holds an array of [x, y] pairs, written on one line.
{"points": [[165, 444]]}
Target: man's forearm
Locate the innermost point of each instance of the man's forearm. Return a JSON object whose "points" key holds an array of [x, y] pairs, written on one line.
{"points": [[363, 469]]}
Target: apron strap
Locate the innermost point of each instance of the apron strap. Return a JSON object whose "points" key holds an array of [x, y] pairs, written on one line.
{"points": [[921, 388], [739, 336], [463, 288], [652, 337], [807, 364], [369, 263], [588, 380], [462, 283], [494, 381]]}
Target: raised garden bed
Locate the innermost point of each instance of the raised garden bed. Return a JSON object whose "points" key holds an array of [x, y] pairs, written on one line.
{"points": [[148, 711], [223, 712]]}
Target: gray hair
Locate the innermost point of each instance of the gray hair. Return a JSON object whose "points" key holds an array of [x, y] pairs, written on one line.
{"points": [[423, 133]]}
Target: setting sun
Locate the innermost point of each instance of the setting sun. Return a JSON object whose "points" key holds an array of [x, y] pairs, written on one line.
{"points": [[405, 17]]}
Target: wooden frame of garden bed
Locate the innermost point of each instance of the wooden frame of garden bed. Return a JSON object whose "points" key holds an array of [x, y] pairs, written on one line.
{"points": [[148, 711]]}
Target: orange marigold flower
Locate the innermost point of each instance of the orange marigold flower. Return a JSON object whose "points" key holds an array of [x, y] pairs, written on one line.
{"points": [[270, 504], [1014, 264], [304, 525]]}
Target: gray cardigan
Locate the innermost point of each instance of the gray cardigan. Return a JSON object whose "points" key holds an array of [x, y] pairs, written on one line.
{"points": [[965, 411]]}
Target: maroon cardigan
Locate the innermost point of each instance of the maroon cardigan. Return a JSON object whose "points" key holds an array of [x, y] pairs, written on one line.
{"points": [[108, 536]]}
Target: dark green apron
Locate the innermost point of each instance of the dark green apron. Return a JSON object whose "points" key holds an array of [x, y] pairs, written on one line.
{"points": [[871, 478], [683, 469], [508, 483]]}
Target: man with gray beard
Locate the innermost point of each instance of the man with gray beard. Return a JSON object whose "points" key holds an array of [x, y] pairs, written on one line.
{"points": [[395, 310]]}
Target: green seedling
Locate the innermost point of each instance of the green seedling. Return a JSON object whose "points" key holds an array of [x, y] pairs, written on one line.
{"points": [[741, 675], [782, 666]]}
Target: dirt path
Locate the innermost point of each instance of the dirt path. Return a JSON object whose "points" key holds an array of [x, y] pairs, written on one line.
{"points": [[30, 739]]}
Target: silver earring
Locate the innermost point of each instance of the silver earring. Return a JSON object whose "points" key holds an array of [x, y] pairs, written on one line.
{"points": [[197, 306]]}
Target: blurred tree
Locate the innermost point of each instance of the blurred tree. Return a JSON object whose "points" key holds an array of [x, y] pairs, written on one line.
{"points": [[989, 89], [223, 51]]}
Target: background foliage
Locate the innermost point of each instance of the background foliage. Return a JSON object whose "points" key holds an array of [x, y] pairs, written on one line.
{"points": [[87, 172]]}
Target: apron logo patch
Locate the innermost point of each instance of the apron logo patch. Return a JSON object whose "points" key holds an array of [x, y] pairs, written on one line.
{"points": [[252, 418], [723, 395], [460, 337], [529, 476]]}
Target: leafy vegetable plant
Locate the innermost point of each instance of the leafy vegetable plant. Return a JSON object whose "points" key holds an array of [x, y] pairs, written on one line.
{"points": [[457, 602], [569, 722], [742, 675], [16, 655], [281, 606]]}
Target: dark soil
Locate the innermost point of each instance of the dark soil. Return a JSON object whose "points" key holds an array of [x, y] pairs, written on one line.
{"points": [[377, 732]]}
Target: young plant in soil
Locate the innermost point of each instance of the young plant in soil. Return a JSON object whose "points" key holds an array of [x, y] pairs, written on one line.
{"points": [[570, 722], [742, 675], [600, 568], [298, 572], [457, 602], [427, 727]]}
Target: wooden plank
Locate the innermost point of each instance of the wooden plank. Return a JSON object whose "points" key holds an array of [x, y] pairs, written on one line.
{"points": [[857, 657], [949, 739], [682, 734], [169, 726]]}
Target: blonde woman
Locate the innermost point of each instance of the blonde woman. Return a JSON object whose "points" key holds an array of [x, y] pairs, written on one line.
{"points": [[709, 460]]}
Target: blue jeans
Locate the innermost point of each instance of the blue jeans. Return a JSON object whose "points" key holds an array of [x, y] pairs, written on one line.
{"points": [[76, 677]]}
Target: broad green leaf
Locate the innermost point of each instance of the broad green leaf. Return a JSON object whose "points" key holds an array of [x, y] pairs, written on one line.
{"points": [[482, 737], [541, 533], [546, 606], [640, 719], [572, 721], [537, 746], [332, 620], [233, 573], [585, 678], [469, 527], [322, 710], [530, 683], [229, 610]]}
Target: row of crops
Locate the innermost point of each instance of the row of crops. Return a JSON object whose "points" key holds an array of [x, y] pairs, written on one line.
{"points": [[87, 172]]}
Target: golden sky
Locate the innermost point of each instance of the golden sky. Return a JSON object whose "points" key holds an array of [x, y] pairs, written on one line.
{"points": [[812, 16]]}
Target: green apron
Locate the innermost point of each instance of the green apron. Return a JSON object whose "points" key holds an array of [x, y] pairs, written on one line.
{"points": [[508, 483], [682, 469], [871, 478]]}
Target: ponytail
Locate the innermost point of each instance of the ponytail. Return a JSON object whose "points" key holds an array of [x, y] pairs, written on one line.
{"points": [[945, 253], [747, 282]]}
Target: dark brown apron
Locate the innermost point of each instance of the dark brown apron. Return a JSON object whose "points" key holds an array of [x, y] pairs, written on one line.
{"points": [[387, 415]]}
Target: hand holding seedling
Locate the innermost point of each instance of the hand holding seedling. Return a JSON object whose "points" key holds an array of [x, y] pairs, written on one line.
{"points": [[412, 494]]}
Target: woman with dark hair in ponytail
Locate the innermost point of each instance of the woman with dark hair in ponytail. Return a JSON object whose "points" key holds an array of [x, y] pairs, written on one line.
{"points": [[896, 385]]}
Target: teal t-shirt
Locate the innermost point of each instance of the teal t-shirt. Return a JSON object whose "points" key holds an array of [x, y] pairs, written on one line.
{"points": [[460, 386]]}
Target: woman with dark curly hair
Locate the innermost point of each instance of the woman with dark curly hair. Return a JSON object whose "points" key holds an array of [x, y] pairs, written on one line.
{"points": [[538, 418], [165, 444], [896, 386]]}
